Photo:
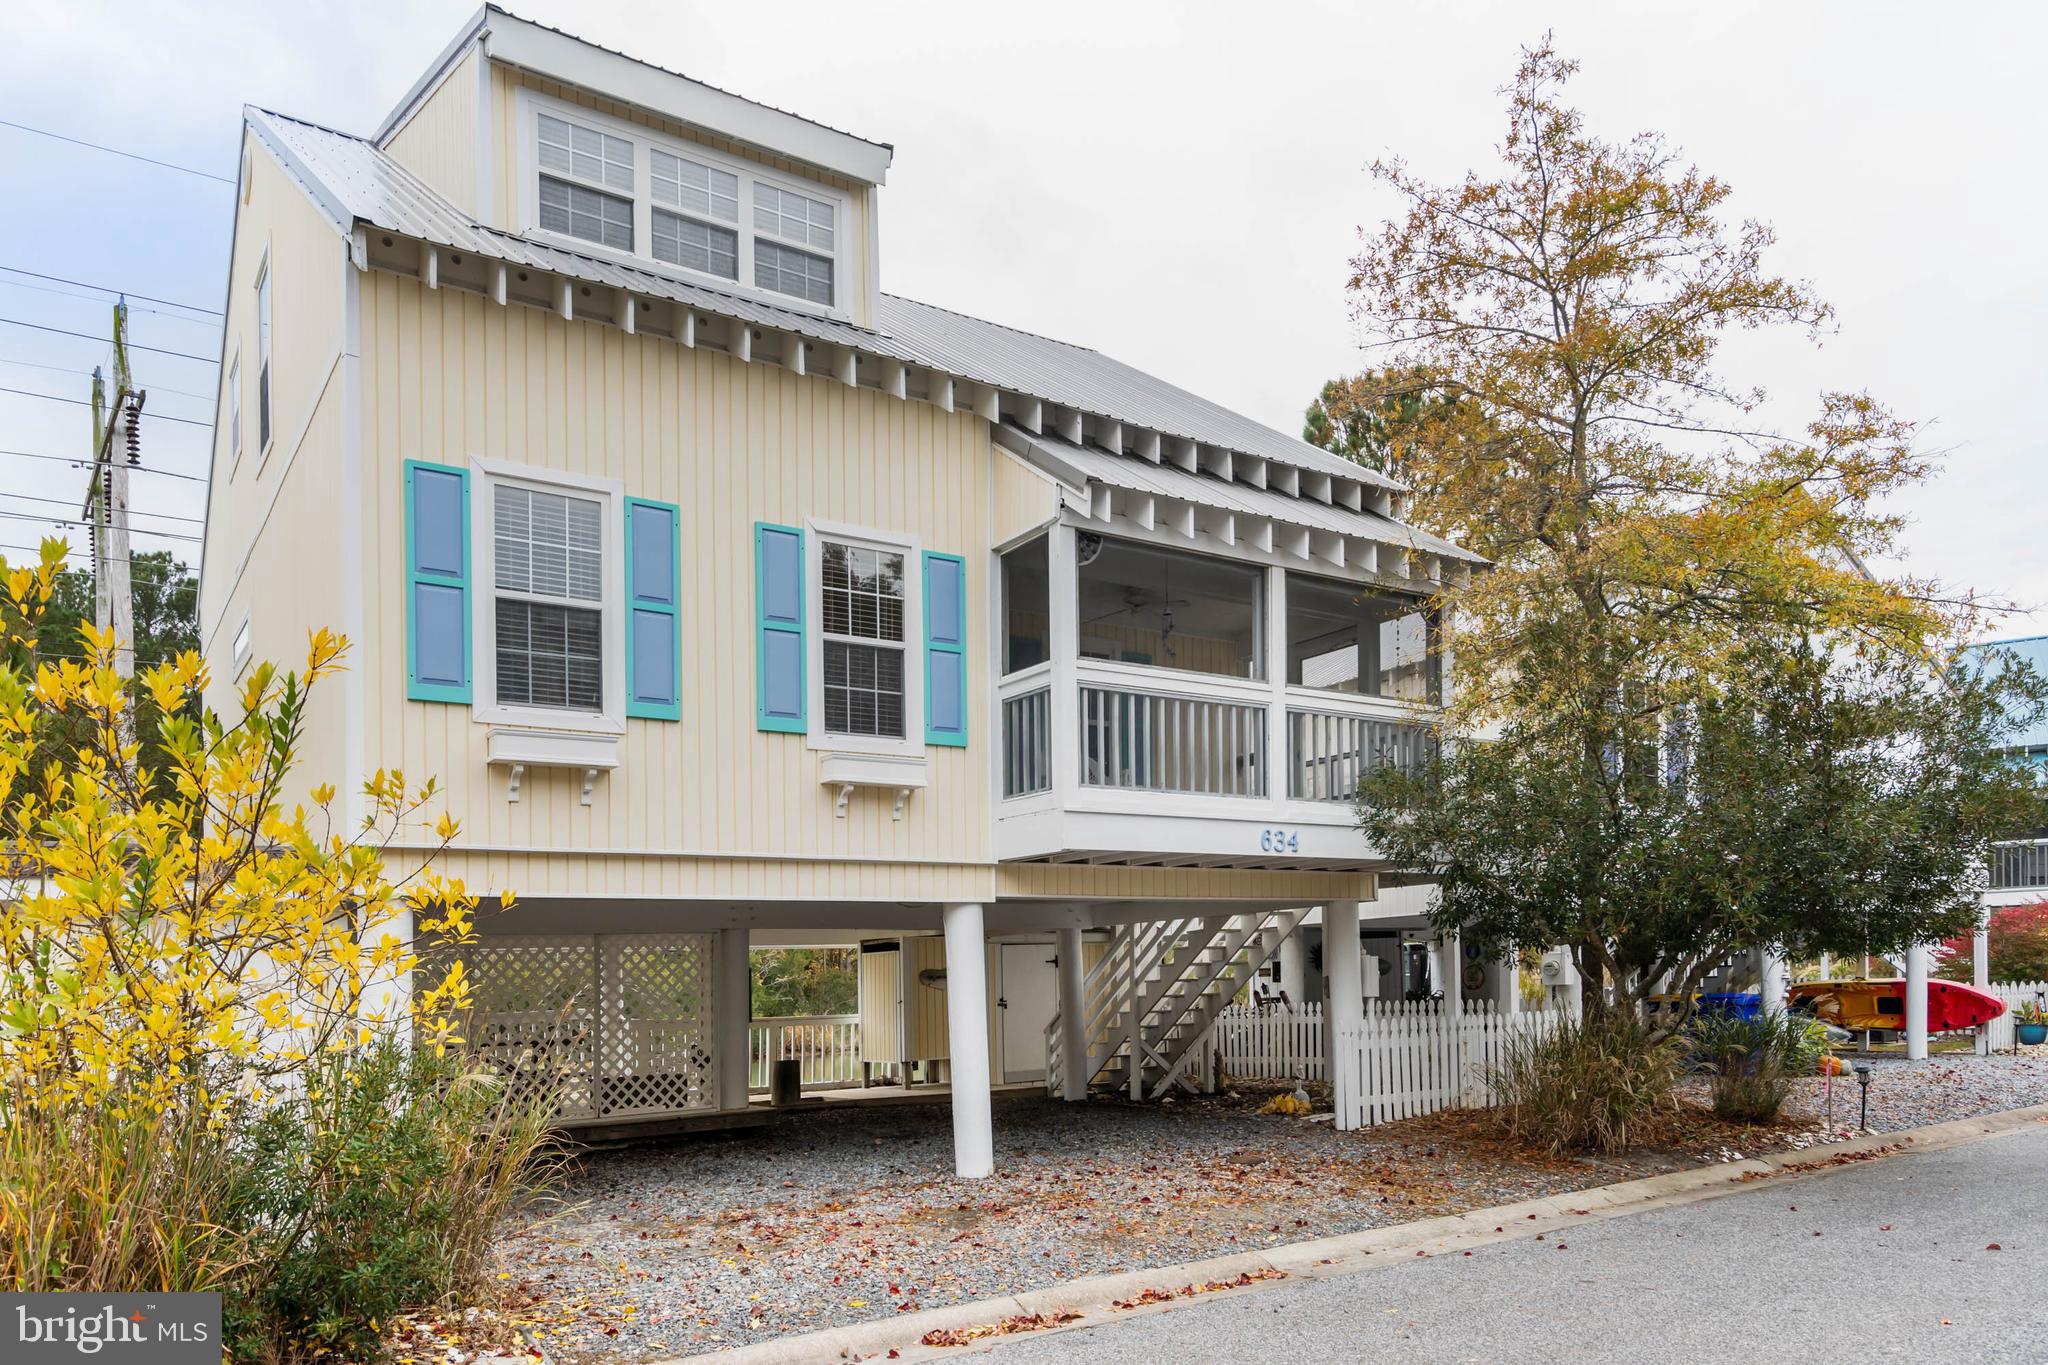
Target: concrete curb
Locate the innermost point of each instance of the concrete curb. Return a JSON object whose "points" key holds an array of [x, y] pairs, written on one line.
{"points": [[1351, 1252]]}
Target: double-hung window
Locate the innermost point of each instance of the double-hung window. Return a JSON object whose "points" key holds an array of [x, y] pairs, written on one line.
{"points": [[862, 601], [548, 552], [586, 183], [696, 214], [785, 221]]}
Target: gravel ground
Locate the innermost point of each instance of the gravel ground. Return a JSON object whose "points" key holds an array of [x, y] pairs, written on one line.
{"points": [[852, 1213]]}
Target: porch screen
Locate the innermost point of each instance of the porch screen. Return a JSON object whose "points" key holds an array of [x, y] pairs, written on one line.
{"points": [[1168, 608], [1347, 638]]}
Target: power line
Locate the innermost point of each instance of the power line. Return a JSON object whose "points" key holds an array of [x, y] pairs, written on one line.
{"points": [[82, 403], [109, 289], [133, 345], [73, 521], [87, 374], [163, 313], [85, 462], [70, 550], [115, 151], [133, 511]]}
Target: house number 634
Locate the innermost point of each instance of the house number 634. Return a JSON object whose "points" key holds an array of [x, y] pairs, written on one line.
{"points": [[1280, 841]]}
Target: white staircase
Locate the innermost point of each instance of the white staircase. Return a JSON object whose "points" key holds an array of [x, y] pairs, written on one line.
{"points": [[1155, 994]]}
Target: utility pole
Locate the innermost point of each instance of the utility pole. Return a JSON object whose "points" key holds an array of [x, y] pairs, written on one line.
{"points": [[117, 446]]}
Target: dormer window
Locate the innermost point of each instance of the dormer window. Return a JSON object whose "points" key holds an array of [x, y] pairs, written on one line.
{"points": [[571, 153], [668, 202], [710, 197]]}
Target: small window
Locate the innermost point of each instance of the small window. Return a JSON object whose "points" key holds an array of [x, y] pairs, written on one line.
{"points": [[548, 550], [863, 640], [234, 411], [243, 647], [263, 356]]}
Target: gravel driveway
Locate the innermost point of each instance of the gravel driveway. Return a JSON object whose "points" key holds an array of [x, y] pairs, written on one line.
{"points": [[852, 1212]]}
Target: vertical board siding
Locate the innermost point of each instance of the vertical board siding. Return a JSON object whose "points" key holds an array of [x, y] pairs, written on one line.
{"points": [[450, 377], [438, 143]]}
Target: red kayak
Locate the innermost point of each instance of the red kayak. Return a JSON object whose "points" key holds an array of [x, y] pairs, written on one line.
{"points": [[1951, 1006]]}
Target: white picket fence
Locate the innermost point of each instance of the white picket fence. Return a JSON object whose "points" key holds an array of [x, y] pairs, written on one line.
{"points": [[2014, 994], [1270, 1044], [827, 1045], [1410, 1060]]}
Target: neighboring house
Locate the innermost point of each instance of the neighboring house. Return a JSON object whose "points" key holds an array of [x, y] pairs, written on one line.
{"points": [[734, 600], [2019, 867]]}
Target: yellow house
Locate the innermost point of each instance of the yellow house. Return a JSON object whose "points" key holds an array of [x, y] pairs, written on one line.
{"points": [[736, 601]]}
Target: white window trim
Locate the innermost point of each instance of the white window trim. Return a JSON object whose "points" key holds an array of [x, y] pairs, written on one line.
{"points": [[532, 104], [234, 414], [266, 353], [816, 533], [243, 648], [487, 709]]}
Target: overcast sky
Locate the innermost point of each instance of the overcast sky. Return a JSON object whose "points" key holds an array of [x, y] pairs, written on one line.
{"points": [[1179, 185]]}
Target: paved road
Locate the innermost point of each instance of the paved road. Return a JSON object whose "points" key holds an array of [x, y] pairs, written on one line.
{"points": [[1740, 1278]]}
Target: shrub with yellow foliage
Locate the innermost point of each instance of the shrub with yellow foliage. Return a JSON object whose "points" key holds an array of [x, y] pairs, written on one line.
{"points": [[196, 976]]}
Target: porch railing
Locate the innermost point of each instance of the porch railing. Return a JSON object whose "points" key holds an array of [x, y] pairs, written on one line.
{"points": [[1027, 743], [1136, 740], [1327, 753], [827, 1046], [2016, 866]]}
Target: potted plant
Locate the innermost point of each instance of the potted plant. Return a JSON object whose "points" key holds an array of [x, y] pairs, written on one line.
{"points": [[2032, 1024]]}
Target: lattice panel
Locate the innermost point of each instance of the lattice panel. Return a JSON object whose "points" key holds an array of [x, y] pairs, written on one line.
{"points": [[535, 1016], [655, 1048]]}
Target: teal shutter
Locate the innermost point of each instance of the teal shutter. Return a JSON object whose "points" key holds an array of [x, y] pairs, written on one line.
{"points": [[779, 628], [945, 649], [437, 589], [654, 636]]}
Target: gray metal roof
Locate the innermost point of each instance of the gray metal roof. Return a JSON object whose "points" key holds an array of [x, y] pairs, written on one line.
{"points": [[1136, 475], [356, 182]]}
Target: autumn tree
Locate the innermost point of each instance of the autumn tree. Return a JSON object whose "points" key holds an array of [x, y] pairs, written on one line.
{"points": [[1649, 536]]}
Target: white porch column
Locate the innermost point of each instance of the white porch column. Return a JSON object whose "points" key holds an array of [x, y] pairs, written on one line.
{"points": [[732, 1007], [1293, 959], [967, 1041], [1450, 965], [1980, 969], [1773, 979], [1063, 601], [1343, 1003], [1916, 1003], [1507, 982], [1073, 1018]]}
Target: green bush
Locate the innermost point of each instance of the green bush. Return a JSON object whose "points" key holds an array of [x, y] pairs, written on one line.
{"points": [[1587, 1085], [1751, 1063], [379, 1189]]}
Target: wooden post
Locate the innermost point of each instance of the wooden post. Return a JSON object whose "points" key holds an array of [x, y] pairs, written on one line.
{"points": [[1344, 1005]]}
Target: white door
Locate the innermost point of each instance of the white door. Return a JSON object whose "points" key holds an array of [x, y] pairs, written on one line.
{"points": [[1028, 983]]}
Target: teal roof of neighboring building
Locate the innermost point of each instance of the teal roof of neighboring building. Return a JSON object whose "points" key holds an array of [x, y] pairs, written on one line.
{"points": [[2033, 651]]}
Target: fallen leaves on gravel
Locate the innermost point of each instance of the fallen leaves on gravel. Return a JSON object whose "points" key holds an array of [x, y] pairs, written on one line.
{"points": [[1188, 1291]]}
